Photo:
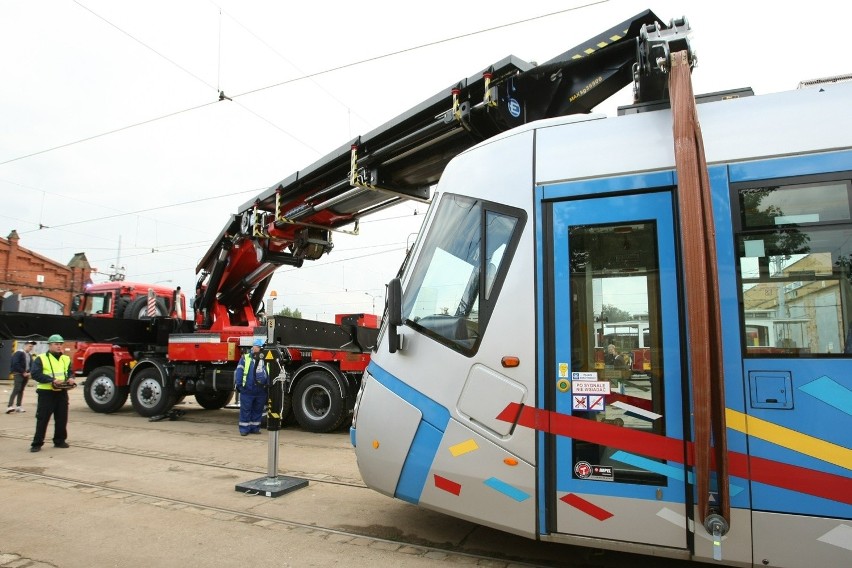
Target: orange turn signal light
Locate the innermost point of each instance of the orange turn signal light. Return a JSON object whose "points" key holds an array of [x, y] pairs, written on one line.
{"points": [[510, 461], [510, 361]]}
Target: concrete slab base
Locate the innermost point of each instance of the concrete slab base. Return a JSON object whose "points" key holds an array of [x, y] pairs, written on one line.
{"points": [[271, 486]]}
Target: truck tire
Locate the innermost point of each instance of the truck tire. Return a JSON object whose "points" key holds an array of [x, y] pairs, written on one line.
{"points": [[317, 404], [138, 308], [120, 307], [101, 393], [214, 400], [150, 397], [289, 418]]}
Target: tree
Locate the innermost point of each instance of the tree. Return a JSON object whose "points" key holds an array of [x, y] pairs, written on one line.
{"points": [[778, 242], [295, 313], [614, 314]]}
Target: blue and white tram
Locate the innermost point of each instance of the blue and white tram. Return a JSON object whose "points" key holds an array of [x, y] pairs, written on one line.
{"points": [[485, 402]]}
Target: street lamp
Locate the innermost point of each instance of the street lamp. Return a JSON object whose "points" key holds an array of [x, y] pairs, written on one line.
{"points": [[374, 301]]}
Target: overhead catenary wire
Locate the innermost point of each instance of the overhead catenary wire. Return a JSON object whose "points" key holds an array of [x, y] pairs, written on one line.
{"points": [[142, 43], [181, 204], [302, 78], [420, 46], [283, 58], [107, 133], [146, 210], [77, 199]]}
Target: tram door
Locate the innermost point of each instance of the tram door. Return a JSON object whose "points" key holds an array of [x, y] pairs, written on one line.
{"points": [[617, 432]]}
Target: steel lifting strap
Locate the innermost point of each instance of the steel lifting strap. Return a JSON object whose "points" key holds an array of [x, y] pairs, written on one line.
{"points": [[702, 295]]}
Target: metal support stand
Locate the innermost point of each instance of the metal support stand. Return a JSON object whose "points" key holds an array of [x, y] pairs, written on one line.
{"points": [[273, 485]]}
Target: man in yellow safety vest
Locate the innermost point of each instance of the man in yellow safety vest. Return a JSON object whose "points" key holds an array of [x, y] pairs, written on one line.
{"points": [[52, 372]]}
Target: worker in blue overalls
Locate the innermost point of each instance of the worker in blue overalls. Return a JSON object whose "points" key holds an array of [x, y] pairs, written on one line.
{"points": [[251, 380]]}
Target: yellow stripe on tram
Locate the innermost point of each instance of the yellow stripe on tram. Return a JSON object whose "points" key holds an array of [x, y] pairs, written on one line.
{"points": [[790, 439]]}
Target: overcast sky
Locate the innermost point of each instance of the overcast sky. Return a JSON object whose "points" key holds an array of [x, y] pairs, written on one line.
{"points": [[114, 142]]}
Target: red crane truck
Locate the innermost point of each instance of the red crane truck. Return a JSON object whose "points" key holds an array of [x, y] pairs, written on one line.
{"points": [[322, 381]]}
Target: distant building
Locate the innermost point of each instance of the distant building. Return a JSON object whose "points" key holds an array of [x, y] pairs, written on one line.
{"points": [[30, 282], [41, 285]]}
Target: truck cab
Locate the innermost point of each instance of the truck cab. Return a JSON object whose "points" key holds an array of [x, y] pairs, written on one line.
{"points": [[127, 300]]}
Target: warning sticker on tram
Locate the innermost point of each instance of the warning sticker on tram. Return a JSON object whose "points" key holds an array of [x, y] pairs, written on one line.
{"points": [[590, 387], [589, 403]]}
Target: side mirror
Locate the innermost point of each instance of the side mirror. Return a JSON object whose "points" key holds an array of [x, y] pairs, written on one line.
{"points": [[395, 302], [394, 314]]}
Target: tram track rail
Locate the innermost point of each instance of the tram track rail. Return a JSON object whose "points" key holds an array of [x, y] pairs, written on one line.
{"points": [[261, 521], [206, 462]]}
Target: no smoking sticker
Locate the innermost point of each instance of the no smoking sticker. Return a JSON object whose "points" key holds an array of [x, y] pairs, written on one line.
{"points": [[589, 403]]}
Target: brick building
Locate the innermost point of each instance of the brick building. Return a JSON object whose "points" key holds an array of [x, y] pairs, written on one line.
{"points": [[44, 286]]}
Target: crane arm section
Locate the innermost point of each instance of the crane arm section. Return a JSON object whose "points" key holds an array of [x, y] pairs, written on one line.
{"points": [[292, 221]]}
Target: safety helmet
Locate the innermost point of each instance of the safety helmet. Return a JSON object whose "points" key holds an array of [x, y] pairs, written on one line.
{"points": [[258, 343], [55, 338]]}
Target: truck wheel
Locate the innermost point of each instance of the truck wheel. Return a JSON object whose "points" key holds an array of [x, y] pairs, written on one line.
{"points": [[138, 308], [317, 404], [120, 306], [101, 393], [148, 394], [289, 418], [214, 400]]}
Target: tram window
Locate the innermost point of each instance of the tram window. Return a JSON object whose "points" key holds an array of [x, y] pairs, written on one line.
{"points": [[616, 323], [467, 250], [795, 265], [770, 206]]}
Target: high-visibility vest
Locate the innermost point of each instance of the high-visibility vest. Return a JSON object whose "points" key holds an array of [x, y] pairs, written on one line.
{"points": [[58, 370], [247, 363]]}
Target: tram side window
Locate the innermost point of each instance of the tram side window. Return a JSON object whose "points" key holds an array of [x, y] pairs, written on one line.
{"points": [[795, 263], [467, 251]]}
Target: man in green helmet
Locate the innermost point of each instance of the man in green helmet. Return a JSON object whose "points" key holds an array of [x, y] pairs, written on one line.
{"points": [[52, 372]]}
